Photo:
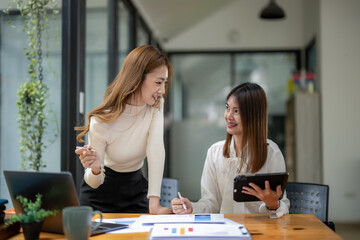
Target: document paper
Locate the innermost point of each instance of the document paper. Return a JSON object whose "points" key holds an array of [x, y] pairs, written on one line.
{"points": [[150, 220], [199, 231]]}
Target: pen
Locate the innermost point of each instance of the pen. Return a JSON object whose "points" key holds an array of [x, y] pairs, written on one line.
{"points": [[87, 148], [183, 203]]}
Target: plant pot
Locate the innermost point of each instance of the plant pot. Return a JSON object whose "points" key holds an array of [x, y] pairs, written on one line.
{"points": [[31, 230]]}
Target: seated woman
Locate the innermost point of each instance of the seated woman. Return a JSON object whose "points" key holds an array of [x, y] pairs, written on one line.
{"points": [[246, 150]]}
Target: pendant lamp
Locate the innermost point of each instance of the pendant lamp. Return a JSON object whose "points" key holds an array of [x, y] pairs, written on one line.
{"points": [[272, 11]]}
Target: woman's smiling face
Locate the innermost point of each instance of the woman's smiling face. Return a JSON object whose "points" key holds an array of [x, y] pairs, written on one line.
{"points": [[232, 117], [154, 84]]}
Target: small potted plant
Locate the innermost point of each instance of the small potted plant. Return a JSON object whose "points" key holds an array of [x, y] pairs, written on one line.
{"points": [[33, 217]]}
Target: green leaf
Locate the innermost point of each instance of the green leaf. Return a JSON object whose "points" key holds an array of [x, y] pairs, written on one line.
{"points": [[33, 211]]}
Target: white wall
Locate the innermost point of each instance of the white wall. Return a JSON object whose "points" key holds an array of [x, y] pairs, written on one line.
{"points": [[340, 81]]}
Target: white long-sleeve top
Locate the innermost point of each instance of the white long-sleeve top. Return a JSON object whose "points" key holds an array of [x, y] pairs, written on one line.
{"points": [[217, 182], [124, 143]]}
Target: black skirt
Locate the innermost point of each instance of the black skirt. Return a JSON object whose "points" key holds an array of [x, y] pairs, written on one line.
{"points": [[120, 193]]}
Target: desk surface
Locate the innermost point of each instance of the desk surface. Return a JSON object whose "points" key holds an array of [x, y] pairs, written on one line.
{"points": [[292, 226]]}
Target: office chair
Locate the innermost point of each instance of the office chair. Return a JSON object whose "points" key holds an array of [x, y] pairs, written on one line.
{"points": [[169, 189], [309, 198]]}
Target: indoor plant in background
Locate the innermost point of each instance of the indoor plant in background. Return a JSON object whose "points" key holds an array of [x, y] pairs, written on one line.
{"points": [[33, 217], [33, 93]]}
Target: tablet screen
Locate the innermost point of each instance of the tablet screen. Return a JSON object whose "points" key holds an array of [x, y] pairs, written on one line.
{"points": [[274, 179]]}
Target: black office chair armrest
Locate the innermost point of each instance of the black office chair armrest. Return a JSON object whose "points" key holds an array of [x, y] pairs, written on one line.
{"points": [[331, 225]]}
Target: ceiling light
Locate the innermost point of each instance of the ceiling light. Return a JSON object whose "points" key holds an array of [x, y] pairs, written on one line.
{"points": [[272, 11]]}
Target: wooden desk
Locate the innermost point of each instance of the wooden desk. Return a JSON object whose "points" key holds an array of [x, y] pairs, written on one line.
{"points": [[292, 226]]}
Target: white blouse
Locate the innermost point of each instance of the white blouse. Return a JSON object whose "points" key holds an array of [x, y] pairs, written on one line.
{"points": [[218, 177]]}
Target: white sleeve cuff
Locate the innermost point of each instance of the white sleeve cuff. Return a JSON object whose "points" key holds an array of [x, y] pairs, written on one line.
{"points": [[282, 210], [93, 180]]}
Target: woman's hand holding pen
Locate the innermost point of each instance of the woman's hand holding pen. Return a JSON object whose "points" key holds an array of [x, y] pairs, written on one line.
{"points": [[89, 158], [268, 196], [178, 206]]}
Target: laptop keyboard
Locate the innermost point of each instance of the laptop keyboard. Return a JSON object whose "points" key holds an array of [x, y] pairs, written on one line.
{"points": [[107, 227]]}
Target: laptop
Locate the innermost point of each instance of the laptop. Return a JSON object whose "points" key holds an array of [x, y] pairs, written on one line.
{"points": [[58, 191]]}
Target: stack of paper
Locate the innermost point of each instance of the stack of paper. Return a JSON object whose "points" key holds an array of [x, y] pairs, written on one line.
{"points": [[150, 220], [192, 226], [199, 232], [188, 226]]}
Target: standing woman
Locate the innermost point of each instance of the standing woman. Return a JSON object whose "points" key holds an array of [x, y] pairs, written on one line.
{"points": [[124, 129], [246, 150]]}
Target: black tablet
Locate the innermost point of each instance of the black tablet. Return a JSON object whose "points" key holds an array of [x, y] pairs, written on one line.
{"points": [[274, 179]]}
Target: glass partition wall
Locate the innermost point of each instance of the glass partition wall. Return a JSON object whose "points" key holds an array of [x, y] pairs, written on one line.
{"points": [[124, 30], [272, 72], [96, 57], [142, 34], [197, 95]]}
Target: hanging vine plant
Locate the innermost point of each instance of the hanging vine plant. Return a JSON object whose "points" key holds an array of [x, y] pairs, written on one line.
{"points": [[33, 93]]}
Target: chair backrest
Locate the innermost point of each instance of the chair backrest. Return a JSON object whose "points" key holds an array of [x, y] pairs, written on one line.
{"points": [[169, 189], [308, 198]]}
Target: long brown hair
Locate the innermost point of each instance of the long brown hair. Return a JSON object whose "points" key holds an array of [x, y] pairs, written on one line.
{"points": [[253, 107], [137, 64]]}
